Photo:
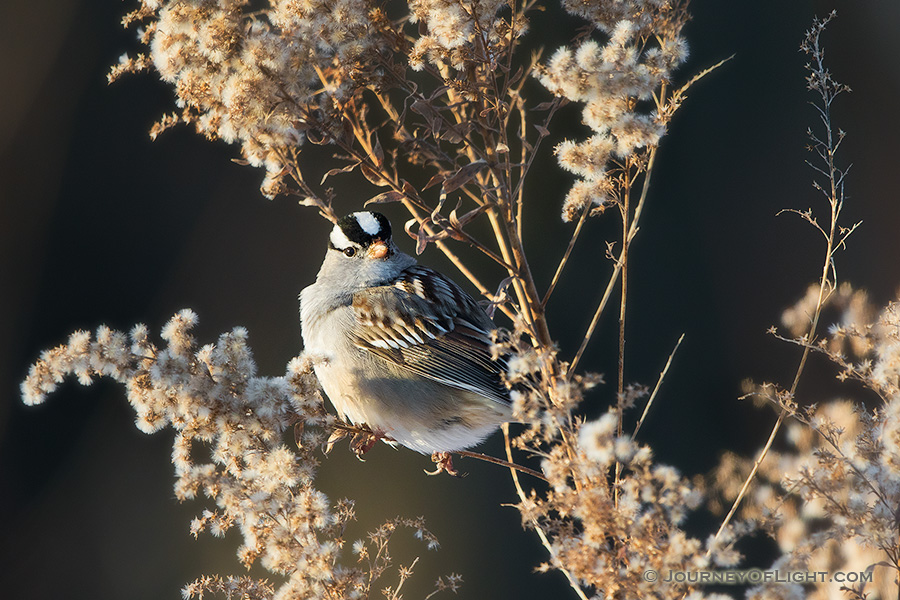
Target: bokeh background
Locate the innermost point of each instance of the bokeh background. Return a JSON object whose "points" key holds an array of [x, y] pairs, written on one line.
{"points": [[99, 225]]}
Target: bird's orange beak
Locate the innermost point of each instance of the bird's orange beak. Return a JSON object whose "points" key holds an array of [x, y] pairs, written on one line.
{"points": [[378, 249]]}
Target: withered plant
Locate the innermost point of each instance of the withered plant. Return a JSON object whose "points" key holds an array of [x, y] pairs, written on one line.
{"points": [[428, 105]]}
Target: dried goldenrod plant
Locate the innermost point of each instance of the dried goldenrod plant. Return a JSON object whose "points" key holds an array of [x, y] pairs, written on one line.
{"points": [[830, 499], [437, 95], [829, 496], [211, 396]]}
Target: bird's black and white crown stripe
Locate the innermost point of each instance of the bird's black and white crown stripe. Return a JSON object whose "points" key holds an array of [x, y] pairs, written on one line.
{"points": [[360, 228]]}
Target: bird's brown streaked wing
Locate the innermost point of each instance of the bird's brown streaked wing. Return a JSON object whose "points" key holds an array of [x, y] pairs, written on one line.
{"points": [[425, 323]]}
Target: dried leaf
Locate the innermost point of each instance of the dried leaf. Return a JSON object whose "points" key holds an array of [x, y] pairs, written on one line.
{"points": [[439, 91], [516, 76], [336, 436], [544, 106], [419, 236], [317, 138], [385, 197], [378, 151], [299, 426], [460, 222], [372, 175], [408, 189], [439, 178], [345, 169], [463, 176], [451, 135], [428, 112], [500, 296], [421, 241], [422, 107]]}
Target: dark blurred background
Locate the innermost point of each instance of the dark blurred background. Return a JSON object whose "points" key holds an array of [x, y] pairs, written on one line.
{"points": [[99, 225]]}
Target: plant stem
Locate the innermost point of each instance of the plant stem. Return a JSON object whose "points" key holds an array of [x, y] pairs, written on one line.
{"points": [[565, 258], [573, 582], [503, 463], [659, 381], [623, 301], [828, 90], [617, 267]]}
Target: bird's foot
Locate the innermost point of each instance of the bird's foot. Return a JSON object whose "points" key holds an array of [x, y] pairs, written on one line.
{"points": [[363, 438], [443, 462], [364, 441]]}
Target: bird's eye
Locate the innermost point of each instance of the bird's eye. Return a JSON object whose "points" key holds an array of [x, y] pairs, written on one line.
{"points": [[349, 251]]}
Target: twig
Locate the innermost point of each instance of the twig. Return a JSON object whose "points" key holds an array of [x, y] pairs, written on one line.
{"points": [[573, 582], [617, 267], [623, 303], [656, 389], [565, 258], [503, 463], [821, 82]]}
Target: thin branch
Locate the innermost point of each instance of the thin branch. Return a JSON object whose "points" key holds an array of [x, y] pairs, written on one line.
{"points": [[656, 388], [623, 303], [503, 463], [565, 258], [617, 267], [820, 81], [573, 582]]}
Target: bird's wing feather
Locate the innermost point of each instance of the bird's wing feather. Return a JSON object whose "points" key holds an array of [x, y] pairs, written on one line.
{"points": [[424, 322]]}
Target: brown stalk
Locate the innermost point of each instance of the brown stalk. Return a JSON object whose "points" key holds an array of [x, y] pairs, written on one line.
{"points": [[503, 463], [617, 266], [623, 298], [827, 149], [573, 582], [568, 252]]}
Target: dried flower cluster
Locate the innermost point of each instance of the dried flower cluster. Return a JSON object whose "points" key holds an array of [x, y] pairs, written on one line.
{"points": [[456, 30], [255, 78], [829, 499], [211, 396], [611, 513], [607, 531], [271, 78], [616, 82]]}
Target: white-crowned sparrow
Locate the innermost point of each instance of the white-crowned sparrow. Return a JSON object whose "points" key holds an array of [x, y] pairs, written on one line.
{"points": [[400, 347]]}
